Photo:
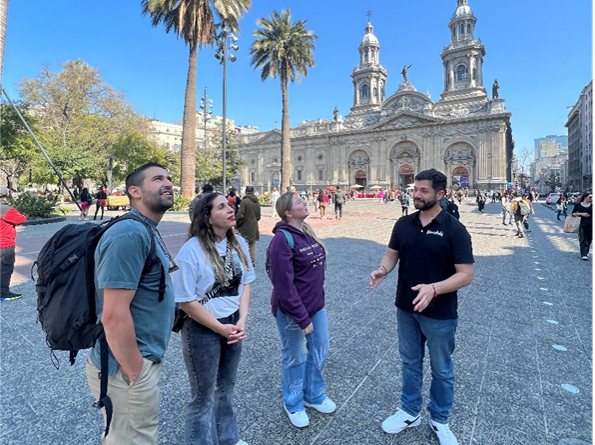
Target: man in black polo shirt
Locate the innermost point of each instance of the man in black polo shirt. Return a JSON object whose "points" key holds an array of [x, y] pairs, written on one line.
{"points": [[436, 260]]}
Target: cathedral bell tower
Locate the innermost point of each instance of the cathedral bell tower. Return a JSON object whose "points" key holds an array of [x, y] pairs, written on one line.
{"points": [[463, 57], [369, 77]]}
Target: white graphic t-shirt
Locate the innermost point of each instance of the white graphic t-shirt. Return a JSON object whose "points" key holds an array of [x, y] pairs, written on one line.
{"points": [[196, 278]]}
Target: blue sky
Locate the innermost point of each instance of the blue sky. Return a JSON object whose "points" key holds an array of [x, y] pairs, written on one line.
{"points": [[539, 50]]}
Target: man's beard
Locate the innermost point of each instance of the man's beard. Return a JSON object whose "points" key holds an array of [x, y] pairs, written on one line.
{"points": [[157, 203], [424, 205]]}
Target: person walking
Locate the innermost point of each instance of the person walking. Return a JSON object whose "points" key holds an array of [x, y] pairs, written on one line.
{"points": [[405, 203], [322, 203], [85, 201], [136, 313], [520, 210], [274, 197], [213, 288], [247, 220], [435, 259], [9, 219], [298, 305], [339, 200], [505, 203], [584, 209], [234, 199], [481, 201], [206, 189], [101, 196], [561, 206]]}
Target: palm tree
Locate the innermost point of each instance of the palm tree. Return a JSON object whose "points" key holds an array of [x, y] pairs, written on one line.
{"points": [[285, 49], [193, 21], [3, 20]]}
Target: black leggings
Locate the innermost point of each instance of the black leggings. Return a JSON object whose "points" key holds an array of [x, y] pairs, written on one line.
{"points": [[585, 237], [99, 206]]}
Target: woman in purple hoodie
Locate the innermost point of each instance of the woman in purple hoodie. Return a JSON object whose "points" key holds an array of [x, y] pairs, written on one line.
{"points": [[297, 264]]}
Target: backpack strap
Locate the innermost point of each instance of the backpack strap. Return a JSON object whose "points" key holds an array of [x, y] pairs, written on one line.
{"points": [[289, 238], [104, 400], [152, 257]]}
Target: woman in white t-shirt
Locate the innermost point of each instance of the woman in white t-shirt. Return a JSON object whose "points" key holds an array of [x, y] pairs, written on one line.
{"points": [[213, 288]]}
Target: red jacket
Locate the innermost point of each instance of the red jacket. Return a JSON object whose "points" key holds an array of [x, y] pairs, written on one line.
{"points": [[9, 218]]}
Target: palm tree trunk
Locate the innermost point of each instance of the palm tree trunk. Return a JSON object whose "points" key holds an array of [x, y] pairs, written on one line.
{"points": [[188, 155], [285, 134], [3, 21]]}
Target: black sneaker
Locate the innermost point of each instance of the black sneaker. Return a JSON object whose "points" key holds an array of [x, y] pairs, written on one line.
{"points": [[10, 296]]}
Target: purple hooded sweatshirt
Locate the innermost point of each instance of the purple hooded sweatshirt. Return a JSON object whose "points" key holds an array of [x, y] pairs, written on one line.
{"points": [[297, 275]]}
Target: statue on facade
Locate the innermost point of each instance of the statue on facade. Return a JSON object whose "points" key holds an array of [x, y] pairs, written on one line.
{"points": [[495, 89], [335, 114], [404, 72]]}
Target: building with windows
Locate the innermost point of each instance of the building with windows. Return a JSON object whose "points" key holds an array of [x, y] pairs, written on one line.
{"points": [[170, 135], [580, 141], [387, 140]]}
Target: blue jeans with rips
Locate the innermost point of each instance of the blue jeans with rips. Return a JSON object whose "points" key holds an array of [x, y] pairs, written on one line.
{"points": [[415, 331], [301, 375], [212, 367]]}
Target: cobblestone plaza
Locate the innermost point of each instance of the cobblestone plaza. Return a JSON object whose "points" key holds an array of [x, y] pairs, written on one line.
{"points": [[523, 360]]}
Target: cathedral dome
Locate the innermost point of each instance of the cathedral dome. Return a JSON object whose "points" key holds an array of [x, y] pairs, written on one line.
{"points": [[462, 10], [369, 37]]}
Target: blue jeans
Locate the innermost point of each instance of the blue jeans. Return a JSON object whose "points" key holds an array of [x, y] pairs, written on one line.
{"points": [[415, 331], [504, 213], [301, 375], [212, 367]]}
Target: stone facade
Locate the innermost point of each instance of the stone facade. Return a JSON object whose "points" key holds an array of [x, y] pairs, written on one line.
{"points": [[386, 141]]}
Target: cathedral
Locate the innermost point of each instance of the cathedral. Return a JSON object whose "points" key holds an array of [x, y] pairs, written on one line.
{"points": [[386, 141]]}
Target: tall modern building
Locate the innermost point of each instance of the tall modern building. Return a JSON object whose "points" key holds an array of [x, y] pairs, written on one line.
{"points": [[388, 138], [580, 141], [550, 141]]}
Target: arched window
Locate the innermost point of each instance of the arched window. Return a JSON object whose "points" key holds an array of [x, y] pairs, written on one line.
{"points": [[382, 90], [461, 72], [469, 29], [454, 32], [366, 55], [364, 93], [462, 30]]}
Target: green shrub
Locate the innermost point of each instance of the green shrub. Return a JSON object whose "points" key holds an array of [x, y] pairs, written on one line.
{"points": [[264, 200], [180, 203], [33, 207], [62, 210]]}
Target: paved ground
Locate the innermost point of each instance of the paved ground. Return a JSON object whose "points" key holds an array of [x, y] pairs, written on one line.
{"points": [[525, 330]]}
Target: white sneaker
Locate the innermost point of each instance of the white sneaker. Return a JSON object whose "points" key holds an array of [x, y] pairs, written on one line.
{"points": [[585, 258], [443, 432], [326, 407], [298, 418], [400, 421]]}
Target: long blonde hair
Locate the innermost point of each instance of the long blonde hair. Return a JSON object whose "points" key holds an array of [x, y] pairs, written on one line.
{"points": [[285, 204], [203, 231]]}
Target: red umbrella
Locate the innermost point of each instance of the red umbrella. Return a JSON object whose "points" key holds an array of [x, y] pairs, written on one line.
{"points": [[331, 188]]}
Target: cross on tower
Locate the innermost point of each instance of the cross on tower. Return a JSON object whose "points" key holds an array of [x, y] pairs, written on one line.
{"points": [[369, 14]]}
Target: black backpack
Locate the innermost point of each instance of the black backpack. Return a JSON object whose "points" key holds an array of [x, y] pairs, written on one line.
{"points": [[450, 207], [66, 293], [289, 237]]}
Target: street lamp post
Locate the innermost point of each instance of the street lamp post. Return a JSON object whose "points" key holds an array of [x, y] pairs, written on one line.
{"points": [[110, 159], [205, 105], [222, 54]]}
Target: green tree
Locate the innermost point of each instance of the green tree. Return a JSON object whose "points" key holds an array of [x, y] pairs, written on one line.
{"points": [[283, 49], [209, 160], [17, 148], [192, 20], [553, 181], [80, 120]]}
